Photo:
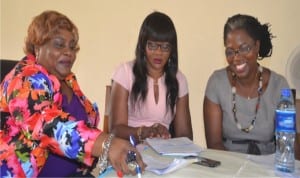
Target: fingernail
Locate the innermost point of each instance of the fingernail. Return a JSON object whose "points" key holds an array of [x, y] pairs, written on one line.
{"points": [[120, 174]]}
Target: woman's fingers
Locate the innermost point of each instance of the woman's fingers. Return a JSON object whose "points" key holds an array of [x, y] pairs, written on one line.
{"points": [[118, 154], [160, 131]]}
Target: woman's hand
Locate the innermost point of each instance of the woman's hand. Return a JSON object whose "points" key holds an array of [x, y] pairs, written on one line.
{"points": [[156, 130], [117, 156]]}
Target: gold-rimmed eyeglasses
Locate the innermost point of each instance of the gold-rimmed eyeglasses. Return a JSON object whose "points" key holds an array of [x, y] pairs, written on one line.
{"points": [[164, 46]]}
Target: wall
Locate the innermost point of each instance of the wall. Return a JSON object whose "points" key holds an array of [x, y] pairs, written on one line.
{"points": [[109, 29]]}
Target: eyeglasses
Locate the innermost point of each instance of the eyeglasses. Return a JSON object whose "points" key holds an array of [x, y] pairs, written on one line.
{"points": [[164, 47], [243, 50]]}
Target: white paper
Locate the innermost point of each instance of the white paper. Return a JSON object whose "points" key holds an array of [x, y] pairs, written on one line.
{"points": [[160, 168], [181, 146], [159, 164]]}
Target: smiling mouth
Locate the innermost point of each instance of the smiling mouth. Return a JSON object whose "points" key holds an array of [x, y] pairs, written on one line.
{"points": [[240, 67], [66, 63]]}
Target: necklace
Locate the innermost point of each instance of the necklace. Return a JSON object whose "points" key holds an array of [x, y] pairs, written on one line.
{"points": [[259, 91]]}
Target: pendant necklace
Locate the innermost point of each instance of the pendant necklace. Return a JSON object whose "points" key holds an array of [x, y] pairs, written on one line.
{"points": [[259, 92]]}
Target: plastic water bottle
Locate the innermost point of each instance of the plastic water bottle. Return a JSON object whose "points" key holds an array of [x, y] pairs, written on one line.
{"points": [[285, 132]]}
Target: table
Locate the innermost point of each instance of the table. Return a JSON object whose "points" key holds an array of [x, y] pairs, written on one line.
{"points": [[232, 165]]}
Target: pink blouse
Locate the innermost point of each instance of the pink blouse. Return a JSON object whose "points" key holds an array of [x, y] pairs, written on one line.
{"points": [[148, 112]]}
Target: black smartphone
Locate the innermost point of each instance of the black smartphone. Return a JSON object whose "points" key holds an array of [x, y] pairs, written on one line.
{"points": [[207, 162], [204, 161]]}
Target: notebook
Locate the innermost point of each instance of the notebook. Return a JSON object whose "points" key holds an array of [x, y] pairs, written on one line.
{"points": [[181, 146]]}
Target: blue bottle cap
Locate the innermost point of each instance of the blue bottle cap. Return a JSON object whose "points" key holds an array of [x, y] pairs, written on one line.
{"points": [[286, 92]]}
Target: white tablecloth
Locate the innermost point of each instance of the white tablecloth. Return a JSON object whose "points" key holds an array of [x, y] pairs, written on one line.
{"points": [[232, 165]]}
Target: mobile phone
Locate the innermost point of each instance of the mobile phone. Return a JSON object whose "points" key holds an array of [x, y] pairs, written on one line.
{"points": [[207, 162]]}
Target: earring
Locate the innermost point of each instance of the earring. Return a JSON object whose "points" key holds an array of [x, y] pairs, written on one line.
{"points": [[169, 62]]}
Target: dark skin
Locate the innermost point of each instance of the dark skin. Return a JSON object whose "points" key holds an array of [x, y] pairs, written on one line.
{"points": [[58, 56], [245, 67], [156, 60]]}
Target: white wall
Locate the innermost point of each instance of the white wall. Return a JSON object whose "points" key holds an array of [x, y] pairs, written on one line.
{"points": [[109, 29]]}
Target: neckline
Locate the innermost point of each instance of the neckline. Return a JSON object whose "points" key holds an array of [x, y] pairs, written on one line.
{"points": [[270, 79], [257, 106], [65, 98], [152, 80]]}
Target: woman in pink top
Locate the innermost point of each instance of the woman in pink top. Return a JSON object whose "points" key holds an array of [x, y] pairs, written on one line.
{"points": [[150, 93]]}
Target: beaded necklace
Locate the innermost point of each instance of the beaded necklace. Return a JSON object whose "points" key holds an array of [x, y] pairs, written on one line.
{"points": [[259, 92]]}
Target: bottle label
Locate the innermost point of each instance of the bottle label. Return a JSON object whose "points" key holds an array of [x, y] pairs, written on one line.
{"points": [[285, 121]]}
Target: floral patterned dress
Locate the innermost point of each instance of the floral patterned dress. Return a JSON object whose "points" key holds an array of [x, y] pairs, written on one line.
{"points": [[37, 124]]}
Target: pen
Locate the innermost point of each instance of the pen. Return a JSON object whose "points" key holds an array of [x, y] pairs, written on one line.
{"points": [[132, 140], [138, 171]]}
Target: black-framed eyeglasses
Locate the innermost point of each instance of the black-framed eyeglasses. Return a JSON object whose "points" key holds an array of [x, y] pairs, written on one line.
{"points": [[164, 47], [243, 50]]}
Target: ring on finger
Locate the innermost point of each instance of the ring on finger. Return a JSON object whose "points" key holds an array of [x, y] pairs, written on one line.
{"points": [[132, 166]]}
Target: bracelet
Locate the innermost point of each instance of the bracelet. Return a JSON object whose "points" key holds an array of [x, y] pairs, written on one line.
{"points": [[103, 158], [139, 133]]}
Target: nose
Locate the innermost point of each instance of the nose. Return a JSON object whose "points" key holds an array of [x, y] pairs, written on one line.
{"points": [[237, 55], [68, 51], [236, 52]]}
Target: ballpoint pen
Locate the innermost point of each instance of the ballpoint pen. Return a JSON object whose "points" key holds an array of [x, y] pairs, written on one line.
{"points": [[138, 171], [132, 140]]}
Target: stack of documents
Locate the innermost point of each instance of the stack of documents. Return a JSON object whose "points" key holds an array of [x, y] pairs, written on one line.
{"points": [[181, 146], [163, 156], [161, 166]]}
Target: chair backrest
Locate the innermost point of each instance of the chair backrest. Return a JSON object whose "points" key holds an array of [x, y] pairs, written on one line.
{"points": [[6, 66], [107, 109]]}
